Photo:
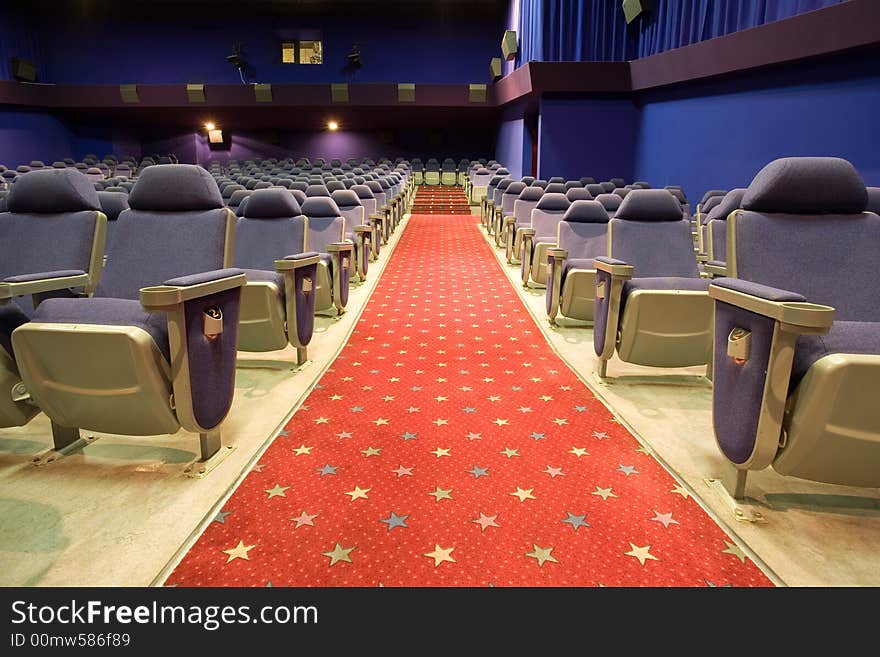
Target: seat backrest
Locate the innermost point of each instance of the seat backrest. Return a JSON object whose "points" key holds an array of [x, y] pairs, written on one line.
{"points": [[317, 190], [711, 193], [873, 200], [333, 186], [649, 233], [539, 183], [548, 212], [570, 184], [608, 187], [237, 197], [351, 208], [557, 180], [527, 180], [367, 199], [555, 188], [273, 226], [499, 190], [618, 182], [49, 223], [509, 196], [707, 207], [583, 230], [326, 223], [176, 226], [112, 205], [523, 206], [378, 193], [588, 180], [802, 227]]}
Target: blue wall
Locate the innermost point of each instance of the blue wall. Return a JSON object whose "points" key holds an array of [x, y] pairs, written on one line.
{"points": [[514, 147], [587, 137], [117, 51], [720, 134], [27, 135]]}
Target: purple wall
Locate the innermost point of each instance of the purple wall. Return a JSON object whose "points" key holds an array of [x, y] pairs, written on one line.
{"points": [[115, 50], [514, 147], [587, 137], [27, 135]]}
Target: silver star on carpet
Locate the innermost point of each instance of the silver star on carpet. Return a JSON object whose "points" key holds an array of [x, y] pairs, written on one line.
{"points": [[395, 520]]}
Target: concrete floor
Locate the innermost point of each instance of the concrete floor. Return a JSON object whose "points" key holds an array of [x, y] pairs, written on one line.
{"points": [[814, 534], [122, 511]]}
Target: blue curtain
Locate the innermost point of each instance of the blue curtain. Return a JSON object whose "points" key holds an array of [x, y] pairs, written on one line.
{"points": [[595, 30]]}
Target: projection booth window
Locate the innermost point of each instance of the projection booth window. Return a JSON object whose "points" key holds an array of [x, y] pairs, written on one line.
{"points": [[302, 52]]}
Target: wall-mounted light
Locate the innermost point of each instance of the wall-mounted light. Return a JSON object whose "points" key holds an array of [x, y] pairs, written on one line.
{"points": [[332, 125], [209, 126], [215, 136]]}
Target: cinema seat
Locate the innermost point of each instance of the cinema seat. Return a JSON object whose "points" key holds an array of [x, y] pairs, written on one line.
{"points": [[873, 200], [522, 219], [418, 170], [448, 172], [432, 172], [540, 236], [278, 302], [611, 203], [496, 218], [651, 304], [716, 232], [797, 330], [51, 243], [105, 363], [358, 230], [504, 213], [368, 200], [326, 235], [112, 205], [477, 185], [699, 224], [581, 237]]}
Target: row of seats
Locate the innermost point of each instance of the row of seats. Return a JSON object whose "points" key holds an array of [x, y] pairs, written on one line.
{"points": [[96, 171], [433, 172], [134, 330], [771, 285]]}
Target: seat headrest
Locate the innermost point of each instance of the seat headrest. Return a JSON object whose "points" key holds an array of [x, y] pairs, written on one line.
{"points": [[578, 194], [528, 180], [112, 203], [362, 191], [586, 212], [175, 188], [317, 190], [531, 194], [237, 197], [555, 188], [588, 180], [503, 184], [729, 202], [539, 183], [374, 186], [572, 184], [502, 172], [807, 185], [873, 200], [618, 182], [51, 191], [320, 206], [494, 180], [345, 198], [711, 193], [621, 192], [94, 171], [595, 189], [482, 171], [711, 204], [552, 201], [650, 205], [515, 188], [276, 203], [611, 202], [557, 179], [678, 193], [59, 165]]}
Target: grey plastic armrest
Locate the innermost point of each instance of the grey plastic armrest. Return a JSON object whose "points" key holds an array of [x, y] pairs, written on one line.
{"points": [[17, 286], [291, 262], [527, 232], [788, 308], [716, 267], [336, 247], [185, 288], [557, 254], [617, 268]]}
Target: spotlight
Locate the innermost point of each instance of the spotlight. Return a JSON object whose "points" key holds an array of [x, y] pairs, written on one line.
{"points": [[209, 126], [332, 125]]}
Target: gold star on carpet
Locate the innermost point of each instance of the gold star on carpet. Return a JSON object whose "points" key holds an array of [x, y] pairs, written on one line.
{"points": [[604, 493], [358, 493], [441, 452], [488, 380], [402, 471], [546, 398], [579, 451], [643, 554], [371, 451], [440, 398], [277, 491], [322, 420], [380, 421], [494, 398], [366, 388], [335, 397], [679, 490], [302, 449], [412, 409], [542, 555], [388, 398], [500, 422], [440, 422], [240, 551], [441, 494], [508, 452], [304, 519], [394, 379], [348, 378], [486, 521], [523, 494], [554, 472], [524, 409], [560, 421], [440, 555], [338, 554], [735, 550]]}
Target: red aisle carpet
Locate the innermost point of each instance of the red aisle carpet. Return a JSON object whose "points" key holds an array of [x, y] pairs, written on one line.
{"points": [[440, 199], [449, 446]]}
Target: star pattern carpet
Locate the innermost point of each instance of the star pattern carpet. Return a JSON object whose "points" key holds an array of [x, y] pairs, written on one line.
{"points": [[447, 445], [440, 199]]}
